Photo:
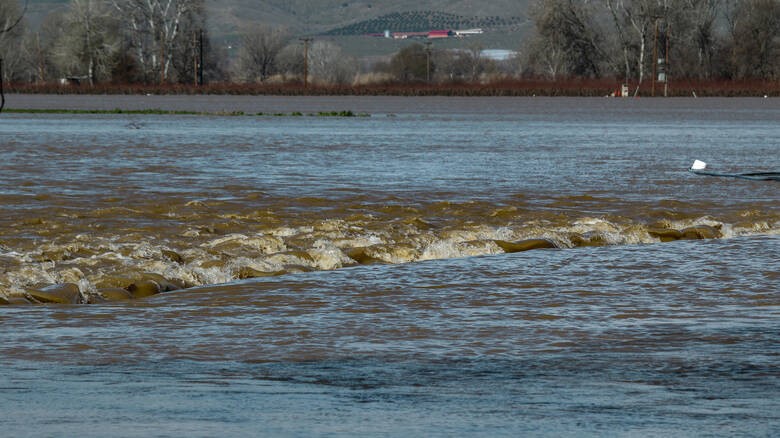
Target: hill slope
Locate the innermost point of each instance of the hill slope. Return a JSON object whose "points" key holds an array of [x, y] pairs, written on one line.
{"points": [[343, 19], [319, 16], [416, 21]]}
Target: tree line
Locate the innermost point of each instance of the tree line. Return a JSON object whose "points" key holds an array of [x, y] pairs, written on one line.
{"points": [[166, 42], [701, 39], [94, 41]]}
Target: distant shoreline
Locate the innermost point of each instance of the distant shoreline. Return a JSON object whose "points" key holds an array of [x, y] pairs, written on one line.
{"points": [[505, 88], [339, 106], [162, 112]]}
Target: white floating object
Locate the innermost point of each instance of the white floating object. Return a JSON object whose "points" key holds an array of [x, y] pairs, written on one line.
{"points": [[698, 165]]}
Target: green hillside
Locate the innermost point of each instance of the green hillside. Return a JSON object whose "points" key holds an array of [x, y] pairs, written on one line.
{"points": [[416, 21], [320, 16], [343, 20]]}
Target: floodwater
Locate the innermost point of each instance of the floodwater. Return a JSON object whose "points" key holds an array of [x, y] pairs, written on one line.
{"points": [[443, 267]]}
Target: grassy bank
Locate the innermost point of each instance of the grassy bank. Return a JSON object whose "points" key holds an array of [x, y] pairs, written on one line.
{"points": [[573, 87], [344, 113]]}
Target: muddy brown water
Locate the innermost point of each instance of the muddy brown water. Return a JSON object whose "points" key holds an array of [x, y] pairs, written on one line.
{"points": [[446, 266]]}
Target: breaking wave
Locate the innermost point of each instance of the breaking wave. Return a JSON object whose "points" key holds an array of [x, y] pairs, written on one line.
{"points": [[115, 250]]}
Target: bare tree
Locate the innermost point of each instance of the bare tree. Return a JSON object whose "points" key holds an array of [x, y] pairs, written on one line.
{"points": [[755, 39], [692, 23], [461, 65], [477, 63], [10, 19], [703, 16], [155, 28], [88, 42], [412, 63], [11, 28], [10, 16], [637, 18], [328, 64], [289, 61], [615, 7], [567, 40], [544, 59], [41, 46], [260, 48]]}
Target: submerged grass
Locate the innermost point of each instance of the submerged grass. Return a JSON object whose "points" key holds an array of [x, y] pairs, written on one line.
{"points": [[345, 113], [96, 111]]}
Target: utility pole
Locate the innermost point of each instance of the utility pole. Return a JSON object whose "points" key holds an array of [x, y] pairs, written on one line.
{"points": [[162, 58], [655, 58], [666, 61], [306, 61], [2, 95], [200, 57], [195, 59], [197, 71], [428, 61]]}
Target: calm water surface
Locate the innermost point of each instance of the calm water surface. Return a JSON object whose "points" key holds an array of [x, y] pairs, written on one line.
{"points": [[355, 276]]}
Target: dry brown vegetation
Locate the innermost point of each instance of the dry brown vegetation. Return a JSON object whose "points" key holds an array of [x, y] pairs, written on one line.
{"points": [[524, 87]]}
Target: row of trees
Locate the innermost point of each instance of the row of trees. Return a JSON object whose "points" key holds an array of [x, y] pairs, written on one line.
{"points": [[164, 41], [722, 39], [271, 54], [108, 40]]}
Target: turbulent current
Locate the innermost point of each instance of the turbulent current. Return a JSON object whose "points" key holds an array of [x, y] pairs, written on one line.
{"points": [[121, 202], [115, 242], [439, 267]]}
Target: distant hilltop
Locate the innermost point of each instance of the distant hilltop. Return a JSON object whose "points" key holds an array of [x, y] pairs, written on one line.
{"points": [[426, 21], [342, 17]]}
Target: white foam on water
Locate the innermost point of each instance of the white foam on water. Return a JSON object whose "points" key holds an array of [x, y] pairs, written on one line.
{"points": [[442, 249], [282, 259], [448, 249], [145, 250], [358, 241], [228, 238], [86, 287], [327, 256], [30, 275], [213, 259], [394, 254], [69, 275], [212, 275], [290, 232]]}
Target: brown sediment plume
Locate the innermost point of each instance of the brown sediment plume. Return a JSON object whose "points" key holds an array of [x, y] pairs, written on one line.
{"points": [[172, 256], [144, 288], [114, 294], [167, 244], [525, 245], [16, 301], [166, 285], [587, 239], [696, 232], [247, 272], [360, 255], [701, 232], [67, 293]]}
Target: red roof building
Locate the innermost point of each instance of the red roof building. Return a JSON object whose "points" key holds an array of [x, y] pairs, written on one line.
{"points": [[438, 34]]}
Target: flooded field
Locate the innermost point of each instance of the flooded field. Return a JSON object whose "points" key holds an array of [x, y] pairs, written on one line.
{"points": [[443, 266]]}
